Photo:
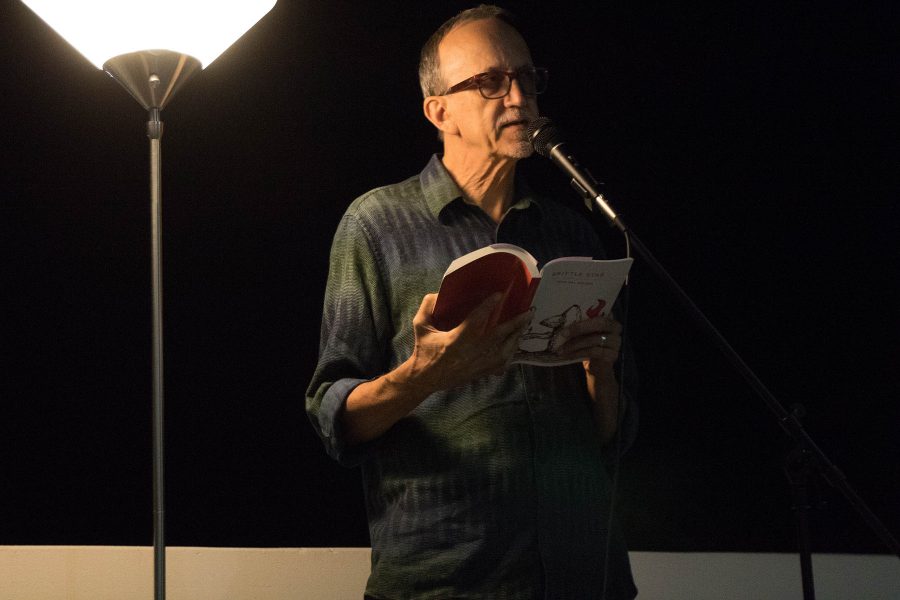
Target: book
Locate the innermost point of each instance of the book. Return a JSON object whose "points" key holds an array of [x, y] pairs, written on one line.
{"points": [[564, 291]]}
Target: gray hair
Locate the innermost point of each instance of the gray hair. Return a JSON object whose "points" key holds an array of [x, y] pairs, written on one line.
{"points": [[429, 63]]}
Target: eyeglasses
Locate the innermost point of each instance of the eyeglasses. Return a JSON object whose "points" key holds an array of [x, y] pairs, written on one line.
{"points": [[497, 83]]}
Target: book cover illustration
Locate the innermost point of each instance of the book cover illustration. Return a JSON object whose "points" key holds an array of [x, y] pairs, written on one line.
{"points": [[571, 290]]}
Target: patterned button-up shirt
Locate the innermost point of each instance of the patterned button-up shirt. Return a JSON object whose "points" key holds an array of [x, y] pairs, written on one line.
{"points": [[494, 489]]}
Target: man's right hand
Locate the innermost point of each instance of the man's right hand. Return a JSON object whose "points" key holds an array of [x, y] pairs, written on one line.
{"points": [[440, 360], [446, 359]]}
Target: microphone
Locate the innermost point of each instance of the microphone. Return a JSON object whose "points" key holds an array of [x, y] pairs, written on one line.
{"points": [[547, 141]]}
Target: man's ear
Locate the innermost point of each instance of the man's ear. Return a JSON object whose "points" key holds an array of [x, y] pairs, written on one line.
{"points": [[436, 111]]}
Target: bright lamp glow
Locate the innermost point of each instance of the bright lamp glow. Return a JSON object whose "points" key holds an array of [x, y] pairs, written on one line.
{"points": [[103, 29]]}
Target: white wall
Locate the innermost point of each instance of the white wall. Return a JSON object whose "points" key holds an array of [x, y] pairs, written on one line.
{"points": [[125, 573]]}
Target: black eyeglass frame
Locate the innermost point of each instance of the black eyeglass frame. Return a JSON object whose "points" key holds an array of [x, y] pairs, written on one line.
{"points": [[541, 76]]}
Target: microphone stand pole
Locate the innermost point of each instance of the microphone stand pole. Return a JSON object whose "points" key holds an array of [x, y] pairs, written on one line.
{"points": [[806, 451]]}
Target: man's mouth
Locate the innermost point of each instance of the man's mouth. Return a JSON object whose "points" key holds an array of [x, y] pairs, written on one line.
{"points": [[516, 123]]}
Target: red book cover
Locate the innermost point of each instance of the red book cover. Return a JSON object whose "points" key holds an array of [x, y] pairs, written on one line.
{"points": [[470, 279]]}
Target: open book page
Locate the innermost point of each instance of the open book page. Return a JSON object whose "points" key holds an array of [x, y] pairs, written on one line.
{"points": [[571, 289]]}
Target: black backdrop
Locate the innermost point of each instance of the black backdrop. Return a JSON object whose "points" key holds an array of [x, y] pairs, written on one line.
{"points": [[746, 143]]}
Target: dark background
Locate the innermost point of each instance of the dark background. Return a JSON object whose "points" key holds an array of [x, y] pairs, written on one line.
{"points": [[747, 144]]}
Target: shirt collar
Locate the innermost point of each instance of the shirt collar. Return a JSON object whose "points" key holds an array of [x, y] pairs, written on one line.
{"points": [[440, 190]]}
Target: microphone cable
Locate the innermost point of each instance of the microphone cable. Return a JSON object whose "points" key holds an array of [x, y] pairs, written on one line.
{"points": [[621, 407]]}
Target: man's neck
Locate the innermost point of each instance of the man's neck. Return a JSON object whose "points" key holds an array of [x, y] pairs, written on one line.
{"points": [[484, 182]]}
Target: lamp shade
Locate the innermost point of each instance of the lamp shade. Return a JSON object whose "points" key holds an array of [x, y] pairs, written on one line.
{"points": [[103, 29]]}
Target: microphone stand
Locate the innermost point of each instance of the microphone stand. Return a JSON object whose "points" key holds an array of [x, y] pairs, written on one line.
{"points": [[806, 455]]}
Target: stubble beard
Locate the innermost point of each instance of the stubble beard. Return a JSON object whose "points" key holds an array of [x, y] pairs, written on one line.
{"points": [[521, 148]]}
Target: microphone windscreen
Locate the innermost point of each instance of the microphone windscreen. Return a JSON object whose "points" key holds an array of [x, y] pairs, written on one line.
{"points": [[543, 135]]}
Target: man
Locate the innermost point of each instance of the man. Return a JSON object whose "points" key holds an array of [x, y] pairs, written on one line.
{"points": [[482, 480]]}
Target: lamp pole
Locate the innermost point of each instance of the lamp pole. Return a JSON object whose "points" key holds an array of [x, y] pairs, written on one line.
{"points": [[154, 132], [152, 77]]}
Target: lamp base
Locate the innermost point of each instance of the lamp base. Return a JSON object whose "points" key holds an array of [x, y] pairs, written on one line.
{"points": [[152, 76]]}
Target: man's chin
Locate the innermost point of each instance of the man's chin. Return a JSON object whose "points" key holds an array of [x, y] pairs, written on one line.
{"points": [[521, 150]]}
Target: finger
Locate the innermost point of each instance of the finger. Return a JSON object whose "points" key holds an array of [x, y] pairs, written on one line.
{"points": [[476, 320], [428, 302], [596, 356], [495, 350], [426, 307], [613, 326], [508, 340], [503, 341], [596, 325], [514, 326], [606, 325], [591, 345]]}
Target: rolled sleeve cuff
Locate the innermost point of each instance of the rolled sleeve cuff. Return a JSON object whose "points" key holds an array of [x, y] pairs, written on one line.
{"points": [[332, 433]]}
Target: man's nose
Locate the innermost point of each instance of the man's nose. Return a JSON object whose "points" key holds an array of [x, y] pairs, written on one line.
{"points": [[515, 97]]}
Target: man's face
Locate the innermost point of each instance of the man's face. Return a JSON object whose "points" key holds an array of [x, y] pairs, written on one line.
{"points": [[492, 128]]}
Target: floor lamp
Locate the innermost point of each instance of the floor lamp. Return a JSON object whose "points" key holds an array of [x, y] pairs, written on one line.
{"points": [[152, 49]]}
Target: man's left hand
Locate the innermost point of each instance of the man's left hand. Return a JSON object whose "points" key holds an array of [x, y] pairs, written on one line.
{"points": [[596, 341]]}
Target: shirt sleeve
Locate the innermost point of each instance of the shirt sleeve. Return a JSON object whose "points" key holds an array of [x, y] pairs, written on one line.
{"points": [[354, 337]]}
